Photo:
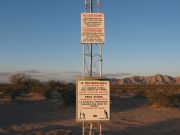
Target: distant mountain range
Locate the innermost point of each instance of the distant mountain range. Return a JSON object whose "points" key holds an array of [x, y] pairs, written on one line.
{"points": [[156, 79]]}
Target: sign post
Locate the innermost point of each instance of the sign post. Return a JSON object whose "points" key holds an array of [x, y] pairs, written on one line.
{"points": [[92, 90]]}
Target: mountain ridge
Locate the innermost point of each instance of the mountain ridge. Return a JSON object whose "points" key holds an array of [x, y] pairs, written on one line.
{"points": [[155, 79]]}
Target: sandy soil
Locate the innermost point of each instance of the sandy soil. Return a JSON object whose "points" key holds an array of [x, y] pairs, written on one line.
{"points": [[130, 116]]}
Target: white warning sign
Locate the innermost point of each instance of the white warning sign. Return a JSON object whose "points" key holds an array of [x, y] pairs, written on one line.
{"points": [[92, 28], [93, 100]]}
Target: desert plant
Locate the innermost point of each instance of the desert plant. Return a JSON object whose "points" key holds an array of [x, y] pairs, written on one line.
{"points": [[66, 91], [162, 99], [69, 97], [22, 84], [139, 93], [23, 80], [19, 79], [176, 99]]}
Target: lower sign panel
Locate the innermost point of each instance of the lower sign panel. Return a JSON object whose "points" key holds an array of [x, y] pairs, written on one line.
{"points": [[93, 100]]}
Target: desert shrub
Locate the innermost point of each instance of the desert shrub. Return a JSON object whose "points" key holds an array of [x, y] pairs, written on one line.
{"points": [[21, 85], [39, 89], [47, 93], [5, 87], [15, 92], [69, 97], [176, 99], [19, 79], [53, 86], [60, 89], [139, 93], [6, 90], [23, 80], [162, 99], [66, 91]]}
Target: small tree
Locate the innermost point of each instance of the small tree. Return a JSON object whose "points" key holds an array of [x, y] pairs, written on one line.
{"points": [[19, 79], [22, 84], [23, 80]]}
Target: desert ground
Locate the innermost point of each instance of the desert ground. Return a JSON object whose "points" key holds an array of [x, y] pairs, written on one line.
{"points": [[129, 116]]}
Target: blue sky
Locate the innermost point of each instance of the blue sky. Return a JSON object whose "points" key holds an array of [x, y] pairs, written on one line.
{"points": [[142, 36]]}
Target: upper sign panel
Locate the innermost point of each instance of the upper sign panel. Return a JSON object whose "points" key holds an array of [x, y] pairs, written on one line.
{"points": [[92, 28]]}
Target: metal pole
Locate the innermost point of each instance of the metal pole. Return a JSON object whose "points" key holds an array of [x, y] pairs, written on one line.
{"points": [[100, 59], [83, 59], [97, 5], [90, 128], [83, 128], [84, 45], [91, 60], [100, 129], [100, 47], [85, 5]]}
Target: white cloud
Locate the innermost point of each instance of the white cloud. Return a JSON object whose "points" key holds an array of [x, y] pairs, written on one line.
{"points": [[117, 75], [4, 77], [31, 71], [67, 76]]}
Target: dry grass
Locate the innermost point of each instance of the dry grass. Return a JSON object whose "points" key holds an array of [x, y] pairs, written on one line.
{"points": [[161, 95]]}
